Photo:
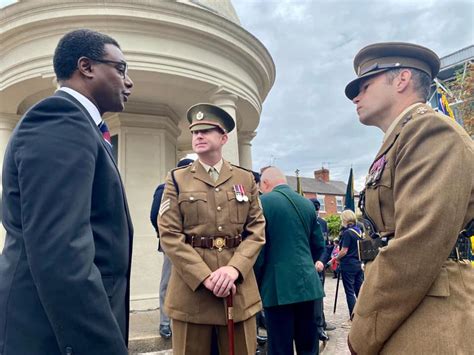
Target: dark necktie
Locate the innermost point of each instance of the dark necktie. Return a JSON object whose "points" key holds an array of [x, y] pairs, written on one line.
{"points": [[105, 132]]}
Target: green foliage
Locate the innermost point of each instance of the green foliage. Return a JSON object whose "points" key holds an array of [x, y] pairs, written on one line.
{"points": [[463, 91], [334, 225]]}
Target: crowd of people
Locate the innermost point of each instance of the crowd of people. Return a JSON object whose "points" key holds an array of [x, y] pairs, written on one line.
{"points": [[234, 246]]}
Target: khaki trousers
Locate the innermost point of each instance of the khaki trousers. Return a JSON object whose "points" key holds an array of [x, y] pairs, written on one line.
{"points": [[195, 339]]}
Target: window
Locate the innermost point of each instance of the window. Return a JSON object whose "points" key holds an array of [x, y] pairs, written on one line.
{"points": [[321, 201], [339, 204]]}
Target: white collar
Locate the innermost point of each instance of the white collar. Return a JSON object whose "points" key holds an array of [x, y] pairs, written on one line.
{"points": [[88, 105]]}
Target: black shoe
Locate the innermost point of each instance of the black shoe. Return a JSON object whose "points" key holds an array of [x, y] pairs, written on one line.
{"points": [[329, 327], [165, 331], [323, 336], [261, 339]]}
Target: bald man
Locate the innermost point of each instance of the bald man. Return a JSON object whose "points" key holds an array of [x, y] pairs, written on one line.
{"points": [[288, 281]]}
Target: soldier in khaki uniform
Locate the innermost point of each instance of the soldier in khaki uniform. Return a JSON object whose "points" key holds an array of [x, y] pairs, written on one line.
{"points": [[418, 293], [212, 228]]}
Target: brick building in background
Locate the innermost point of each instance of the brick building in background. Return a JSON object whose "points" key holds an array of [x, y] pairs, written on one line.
{"points": [[330, 193]]}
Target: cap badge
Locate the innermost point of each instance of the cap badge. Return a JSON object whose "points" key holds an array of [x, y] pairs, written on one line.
{"points": [[199, 116]]}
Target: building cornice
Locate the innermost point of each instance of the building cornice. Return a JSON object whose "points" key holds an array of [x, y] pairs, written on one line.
{"points": [[25, 21]]}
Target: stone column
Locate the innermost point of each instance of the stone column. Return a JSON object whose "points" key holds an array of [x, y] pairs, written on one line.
{"points": [[7, 124], [147, 150], [245, 148], [228, 102]]}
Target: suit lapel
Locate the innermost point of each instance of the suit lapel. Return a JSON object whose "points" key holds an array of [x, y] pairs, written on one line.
{"points": [[105, 145], [91, 121], [392, 138], [225, 174], [201, 174]]}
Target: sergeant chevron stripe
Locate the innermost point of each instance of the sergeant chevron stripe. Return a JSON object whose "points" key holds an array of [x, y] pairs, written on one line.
{"points": [[165, 206]]}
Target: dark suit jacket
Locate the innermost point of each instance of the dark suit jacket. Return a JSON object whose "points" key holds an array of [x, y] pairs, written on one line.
{"points": [[65, 267], [326, 255], [285, 267], [155, 206]]}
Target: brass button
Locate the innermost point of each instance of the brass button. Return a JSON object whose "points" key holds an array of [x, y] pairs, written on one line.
{"points": [[217, 189], [219, 208], [219, 228], [191, 198]]}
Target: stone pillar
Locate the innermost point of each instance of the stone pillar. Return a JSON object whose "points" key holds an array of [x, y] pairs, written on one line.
{"points": [[227, 102], [245, 149], [7, 124], [147, 141]]}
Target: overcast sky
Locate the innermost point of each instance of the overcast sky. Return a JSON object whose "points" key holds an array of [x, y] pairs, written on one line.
{"points": [[307, 121]]}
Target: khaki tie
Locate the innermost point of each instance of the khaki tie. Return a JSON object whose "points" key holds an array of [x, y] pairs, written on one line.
{"points": [[213, 173]]}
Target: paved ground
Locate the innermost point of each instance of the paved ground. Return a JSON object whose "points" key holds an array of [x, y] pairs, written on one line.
{"points": [[337, 344], [144, 338]]}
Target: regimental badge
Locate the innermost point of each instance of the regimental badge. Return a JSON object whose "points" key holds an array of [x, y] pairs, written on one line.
{"points": [[199, 116], [421, 110], [376, 171]]}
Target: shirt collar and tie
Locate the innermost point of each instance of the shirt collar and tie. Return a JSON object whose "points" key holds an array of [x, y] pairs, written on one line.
{"points": [[92, 110], [213, 171]]}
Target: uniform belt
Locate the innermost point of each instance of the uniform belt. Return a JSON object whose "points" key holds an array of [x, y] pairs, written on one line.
{"points": [[369, 248], [217, 242]]}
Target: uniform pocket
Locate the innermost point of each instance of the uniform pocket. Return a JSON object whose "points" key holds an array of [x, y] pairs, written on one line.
{"points": [[382, 190], [193, 207], [238, 210], [440, 286]]}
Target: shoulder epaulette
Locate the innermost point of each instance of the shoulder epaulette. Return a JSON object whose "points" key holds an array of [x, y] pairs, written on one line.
{"points": [[176, 186], [179, 168], [240, 167]]}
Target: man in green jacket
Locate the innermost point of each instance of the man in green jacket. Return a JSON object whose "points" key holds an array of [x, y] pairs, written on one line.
{"points": [[288, 281]]}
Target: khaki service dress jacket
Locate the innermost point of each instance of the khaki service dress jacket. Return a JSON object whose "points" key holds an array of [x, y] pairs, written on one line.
{"points": [[207, 208], [414, 299]]}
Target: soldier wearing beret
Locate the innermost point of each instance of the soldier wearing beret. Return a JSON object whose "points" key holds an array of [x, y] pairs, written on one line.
{"points": [[418, 206], [212, 228]]}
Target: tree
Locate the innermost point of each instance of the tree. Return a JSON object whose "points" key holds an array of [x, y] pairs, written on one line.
{"points": [[334, 225], [462, 89]]}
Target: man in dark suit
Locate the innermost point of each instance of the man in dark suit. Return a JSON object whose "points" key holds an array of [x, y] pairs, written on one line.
{"points": [[320, 267], [289, 284], [65, 267]]}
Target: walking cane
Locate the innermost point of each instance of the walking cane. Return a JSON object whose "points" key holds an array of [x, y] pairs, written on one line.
{"points": [[230, 322], [337, 290]]}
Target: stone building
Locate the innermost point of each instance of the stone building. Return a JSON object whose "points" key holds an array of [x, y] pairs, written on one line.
{"points": [[180, 52]]}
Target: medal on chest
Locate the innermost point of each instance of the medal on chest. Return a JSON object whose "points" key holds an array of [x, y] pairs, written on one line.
{"points": [[376, 171], [240, 194]]}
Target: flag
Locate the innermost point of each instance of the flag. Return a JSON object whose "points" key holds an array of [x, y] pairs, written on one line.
{"points": [[349, 201], [299, 187], [443, 105]]}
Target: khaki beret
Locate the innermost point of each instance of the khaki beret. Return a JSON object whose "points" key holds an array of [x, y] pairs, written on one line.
{"points": [[379, 57], [207, 116]]}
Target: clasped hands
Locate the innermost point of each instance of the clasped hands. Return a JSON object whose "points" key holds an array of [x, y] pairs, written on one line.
{"points": [[222, 281]]}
